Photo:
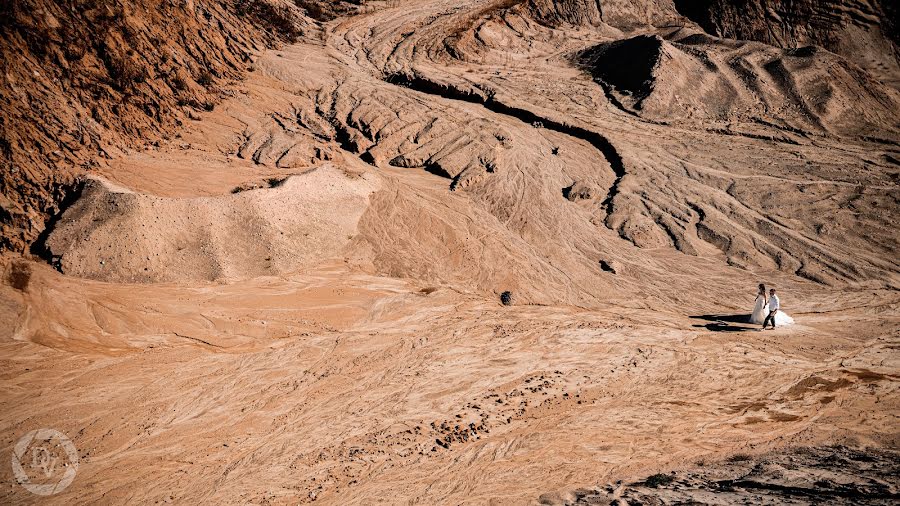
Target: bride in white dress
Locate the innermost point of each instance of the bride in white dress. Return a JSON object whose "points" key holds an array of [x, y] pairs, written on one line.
{"points": [[761, 310]]}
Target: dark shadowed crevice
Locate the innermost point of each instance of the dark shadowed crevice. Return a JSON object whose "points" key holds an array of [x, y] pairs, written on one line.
{"points": [[627, 65], [343, 138], [698, 12], [437, 170], [70, 195], [490, 102]]}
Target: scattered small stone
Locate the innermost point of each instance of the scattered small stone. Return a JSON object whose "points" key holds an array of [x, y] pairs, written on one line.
{"points": [[607, 267]]}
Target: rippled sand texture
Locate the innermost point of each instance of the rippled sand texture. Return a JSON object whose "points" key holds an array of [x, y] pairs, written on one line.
{"points": [[297, 299]]}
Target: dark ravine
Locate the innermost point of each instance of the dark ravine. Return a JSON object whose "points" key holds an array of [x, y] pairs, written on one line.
{"points": [[490, 102]]}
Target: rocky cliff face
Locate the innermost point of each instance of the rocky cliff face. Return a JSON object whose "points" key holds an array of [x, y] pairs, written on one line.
{"points": [[567, 11], [624, 14], [82, 79], [864, 31]]}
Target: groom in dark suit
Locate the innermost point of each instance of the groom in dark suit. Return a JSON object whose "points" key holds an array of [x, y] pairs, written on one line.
{"points": [[774, 306]]}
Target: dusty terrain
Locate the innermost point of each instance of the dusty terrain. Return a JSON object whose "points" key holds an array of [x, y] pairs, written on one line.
{"points": [[828, 475], [293, 295]]}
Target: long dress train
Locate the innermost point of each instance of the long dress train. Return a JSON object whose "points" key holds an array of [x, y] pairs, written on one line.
{"points": [[761, 310], [782, 318]]}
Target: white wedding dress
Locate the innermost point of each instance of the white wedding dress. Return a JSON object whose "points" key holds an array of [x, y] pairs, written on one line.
{"points": [[761, 310]]}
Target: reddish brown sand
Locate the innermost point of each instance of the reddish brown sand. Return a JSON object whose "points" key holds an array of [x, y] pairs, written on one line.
{"points": [[297, 299]]}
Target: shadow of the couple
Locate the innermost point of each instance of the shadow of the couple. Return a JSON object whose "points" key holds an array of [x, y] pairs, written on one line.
{"points": [[726, 322]]}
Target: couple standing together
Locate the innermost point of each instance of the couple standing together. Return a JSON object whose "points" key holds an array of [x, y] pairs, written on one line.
{"points": [[768, 309]]}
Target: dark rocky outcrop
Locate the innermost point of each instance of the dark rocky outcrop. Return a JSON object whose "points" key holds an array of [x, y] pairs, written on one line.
{"points": [[805, 476]]}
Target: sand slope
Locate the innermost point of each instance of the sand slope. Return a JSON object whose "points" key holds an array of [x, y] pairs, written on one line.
{"points": [[295, 298], [118, 235]]}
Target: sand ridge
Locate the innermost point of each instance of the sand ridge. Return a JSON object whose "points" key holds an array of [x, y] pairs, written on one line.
{"points": [[118, 235]]}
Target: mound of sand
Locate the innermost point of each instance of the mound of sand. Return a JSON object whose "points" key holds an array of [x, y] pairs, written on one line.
{"points": [[113, 234]]}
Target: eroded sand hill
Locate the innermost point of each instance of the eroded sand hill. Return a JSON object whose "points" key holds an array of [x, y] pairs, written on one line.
{"points": [[295, 299], [117, 235]]}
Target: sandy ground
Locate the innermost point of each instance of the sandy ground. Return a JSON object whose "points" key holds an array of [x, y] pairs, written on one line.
{"points": [[296, 300], [353, 388]]}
